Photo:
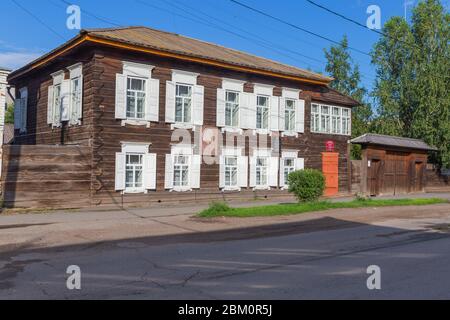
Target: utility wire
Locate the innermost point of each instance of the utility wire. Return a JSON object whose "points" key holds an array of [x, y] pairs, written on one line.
{"points": [[359, 23], [294, 26], [37, 19]]}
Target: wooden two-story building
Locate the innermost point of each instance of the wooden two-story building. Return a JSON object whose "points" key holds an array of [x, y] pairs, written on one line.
{"points": [[129, 95]]}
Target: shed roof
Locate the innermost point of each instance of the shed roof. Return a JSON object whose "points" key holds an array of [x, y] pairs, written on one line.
{"points": [[392, 141]]}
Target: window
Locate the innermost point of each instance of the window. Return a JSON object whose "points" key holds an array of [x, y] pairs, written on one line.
{"points": [[261, 171], [232, 109], [181, 171], [315, 118], [231, 171], [135, 98], [57, 96], [183, 103], [325, 119], [75, 89], [133, 172], [289, 166], [336, 120], [346, 121], [289, 115], [262, 112]]}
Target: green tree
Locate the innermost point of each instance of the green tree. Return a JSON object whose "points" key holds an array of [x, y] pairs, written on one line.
{"points": [[411, 91], [9, 114], [347, 78]]}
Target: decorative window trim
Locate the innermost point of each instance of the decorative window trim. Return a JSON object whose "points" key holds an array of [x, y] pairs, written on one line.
{"points": [[135, 69], [58, 77], [76, 71], [290, 93], [184, 77], [263, 89], [233, 85], [330, 114]]}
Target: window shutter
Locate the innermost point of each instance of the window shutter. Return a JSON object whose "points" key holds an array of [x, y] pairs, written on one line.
{"points": [[249, 111], [23, 114], [152, 100], [50, 105], [282, 182], [282, 124], [199, 98], [57, 112], [244, 112], [170, 101], [150, 171], [17, 113], [252, 172], [220, 111], [300, 115], [79, 107], [168, 177], [222, 172], [274, 113], [243, 171], [195, 171], [121, 96], [299, 164], [65, 100], [120, 171], [273, 171]]}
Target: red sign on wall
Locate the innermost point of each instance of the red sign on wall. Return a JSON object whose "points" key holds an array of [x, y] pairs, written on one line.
{"points": [[329, 146]]}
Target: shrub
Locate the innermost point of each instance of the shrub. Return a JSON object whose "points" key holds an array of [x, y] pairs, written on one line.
{"points": [[216, 208], [306, 185]]}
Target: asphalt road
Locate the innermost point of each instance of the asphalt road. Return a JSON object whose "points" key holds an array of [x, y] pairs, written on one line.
{"points": [[413, 255]]}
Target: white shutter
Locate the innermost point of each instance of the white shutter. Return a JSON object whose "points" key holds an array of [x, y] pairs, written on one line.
{"points": [[282, 123], [121, 96], [168, 177], [170, 101], [274, 113], [199, 98], [299, 164], [50, 105], [220, 110], [282, 182], [250, 111], [120, 171], [252, 172], [149, 177], [300, 116], [195, 171], [242, 171], [18, 113], [65, 100], [245, 100], [152, 100], [79, 106], [273, 171], [23, 113], [221, 172]]}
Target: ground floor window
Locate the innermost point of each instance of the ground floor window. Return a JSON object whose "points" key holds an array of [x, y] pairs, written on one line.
{"points": [[289, 167], [231, 171], [134, 168], [261, 171], [181, 171]]}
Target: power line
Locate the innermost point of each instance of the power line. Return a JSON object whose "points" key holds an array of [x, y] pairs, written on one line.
{"points": [[360, 24], [38, 19], [294, 26]]}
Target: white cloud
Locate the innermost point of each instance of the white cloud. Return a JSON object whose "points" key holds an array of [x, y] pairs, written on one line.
{"points": [[15, 60]]}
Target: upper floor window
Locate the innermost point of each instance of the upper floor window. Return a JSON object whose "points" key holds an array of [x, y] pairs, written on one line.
{"points": [[183, 103], [330, 119], [262, 112], [137, 95], [136, 98], [231, 109], [289, 115]]}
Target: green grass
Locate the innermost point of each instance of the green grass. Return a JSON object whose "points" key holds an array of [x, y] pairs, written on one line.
{"points": [[219, 209]]}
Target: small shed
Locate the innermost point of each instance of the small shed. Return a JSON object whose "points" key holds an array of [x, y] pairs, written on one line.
{"points": [[392, 165]]}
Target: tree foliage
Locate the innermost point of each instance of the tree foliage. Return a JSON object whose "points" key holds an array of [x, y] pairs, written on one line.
{"points": [[413, 80], [9, 114], [347, 78]]}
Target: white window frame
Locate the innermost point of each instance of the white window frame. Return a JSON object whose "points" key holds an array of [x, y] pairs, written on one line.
{"points": [[261, 167], [186, 150], [330, 118], [231, 168], [291, 94], [76, 98], [185, 166], [190, 87], [134, 188], [135, 93], [232, 106], [260, 108], [288, 169], [236, 86], [288, 114]]}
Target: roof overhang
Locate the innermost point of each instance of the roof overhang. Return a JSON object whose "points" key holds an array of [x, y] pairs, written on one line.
{"points": [[86, 37]]}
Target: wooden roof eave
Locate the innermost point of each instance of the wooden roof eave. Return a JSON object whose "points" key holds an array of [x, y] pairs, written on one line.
{"points": [[85, 37]]}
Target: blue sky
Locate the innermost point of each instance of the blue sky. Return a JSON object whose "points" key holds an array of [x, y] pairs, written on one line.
{"points": [[23, 38]]}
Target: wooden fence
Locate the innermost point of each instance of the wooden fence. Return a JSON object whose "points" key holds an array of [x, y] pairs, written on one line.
{"points": [[44, 176]]}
